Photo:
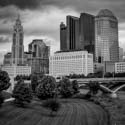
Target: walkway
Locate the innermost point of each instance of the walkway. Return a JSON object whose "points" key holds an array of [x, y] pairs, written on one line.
{"points": [[73, 112]]}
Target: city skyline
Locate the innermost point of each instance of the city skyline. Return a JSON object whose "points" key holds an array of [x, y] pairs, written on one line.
{"points": [[43, 13]]}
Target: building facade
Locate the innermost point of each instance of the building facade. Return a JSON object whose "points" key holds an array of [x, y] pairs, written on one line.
{"points": [[72, 32], [63, 37], [72, 62], [7, 59], [106, 37], [17, 46], [78, 33], [121, 54], [119, 67], [40, 56], [14, 70], [87, 32]]}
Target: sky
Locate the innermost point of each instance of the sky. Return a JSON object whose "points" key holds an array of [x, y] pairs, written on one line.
{"points": [[41, 19]]}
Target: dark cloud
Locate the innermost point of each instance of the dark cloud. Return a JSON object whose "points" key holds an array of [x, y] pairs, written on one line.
{"points": [[92, 6], [23, 4]]}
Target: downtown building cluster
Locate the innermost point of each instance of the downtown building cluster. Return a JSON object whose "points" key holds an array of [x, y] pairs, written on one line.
{"points": [[88, 34], [18, 62]]}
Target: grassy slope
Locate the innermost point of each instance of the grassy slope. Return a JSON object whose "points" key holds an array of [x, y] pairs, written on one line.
{"points": [[72, 112]]}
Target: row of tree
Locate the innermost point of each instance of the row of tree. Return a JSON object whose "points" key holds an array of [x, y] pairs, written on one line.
{"points": [[95, 75], [45, 88]]}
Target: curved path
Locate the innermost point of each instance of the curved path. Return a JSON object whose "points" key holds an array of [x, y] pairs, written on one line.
{"points": [[72, 112]]}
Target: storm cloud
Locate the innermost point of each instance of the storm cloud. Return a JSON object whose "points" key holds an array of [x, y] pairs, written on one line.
{"points": [[41, 18]]}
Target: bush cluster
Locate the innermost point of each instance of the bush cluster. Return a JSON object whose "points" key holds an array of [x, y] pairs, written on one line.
{"points": [[22, 93], [4, 84]]}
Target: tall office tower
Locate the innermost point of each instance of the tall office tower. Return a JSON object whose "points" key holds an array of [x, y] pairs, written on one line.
{"points": [[17, 46], [106, 37], [87, 32], [63, 36], [72, 33], [40, 56], [121, 54]]}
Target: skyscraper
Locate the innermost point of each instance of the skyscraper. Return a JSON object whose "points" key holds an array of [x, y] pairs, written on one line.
{"points": [[72, 32], [17, 45], [78, 33], [106, 37], [87, 32], [63, 36], [121, 53], [40, 56]]}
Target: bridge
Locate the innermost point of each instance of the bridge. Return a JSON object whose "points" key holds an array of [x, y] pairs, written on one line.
{"points": [[100, 80], [108, 85]]}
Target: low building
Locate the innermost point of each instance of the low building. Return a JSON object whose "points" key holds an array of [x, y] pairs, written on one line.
{"points": [[70, 62], [14, 70], [7, 59], [119, 67], [40, 56]]}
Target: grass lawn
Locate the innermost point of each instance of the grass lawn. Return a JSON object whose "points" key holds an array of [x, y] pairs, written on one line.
{"points": [[72, 112]]}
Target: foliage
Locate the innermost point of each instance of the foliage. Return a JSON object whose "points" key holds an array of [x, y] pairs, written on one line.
{"points": [[108, 74], [4, 80], [75, 86], [65, 88], [4, 84], [1, 99], [34, 82], [46, 88], [93, 87], [52, 104], [24, 77], [22, 93]]}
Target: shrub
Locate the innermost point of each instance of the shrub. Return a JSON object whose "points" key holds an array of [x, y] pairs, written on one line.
{"points": [[75, 86], [52, 104], [22, 93], [93, 87], [65, 88], [1, 100], [4, 84], [46, 88]]}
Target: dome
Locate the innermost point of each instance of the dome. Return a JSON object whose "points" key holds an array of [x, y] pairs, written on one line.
{"points": [[106, 13]]}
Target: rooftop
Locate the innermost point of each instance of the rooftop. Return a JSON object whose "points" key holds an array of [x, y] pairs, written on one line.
{"points": [[106, 13]]}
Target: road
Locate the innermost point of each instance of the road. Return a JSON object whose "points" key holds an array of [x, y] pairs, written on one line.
{"points": [[72, 112]]}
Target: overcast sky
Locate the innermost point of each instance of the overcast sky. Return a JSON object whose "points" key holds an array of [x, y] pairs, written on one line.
{"points": [[41, 18]]}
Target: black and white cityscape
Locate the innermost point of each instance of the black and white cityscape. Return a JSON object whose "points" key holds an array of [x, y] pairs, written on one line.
{"points": [[62, 62]]}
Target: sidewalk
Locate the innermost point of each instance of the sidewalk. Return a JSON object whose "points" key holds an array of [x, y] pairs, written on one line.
{"points": [[10, 99]]}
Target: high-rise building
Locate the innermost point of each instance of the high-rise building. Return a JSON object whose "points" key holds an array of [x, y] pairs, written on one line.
{"points": [[40, 56], [106, 37], [72, 32], [78, 33], [121, 54], [63, 36], [17, 46], [87, 32]]}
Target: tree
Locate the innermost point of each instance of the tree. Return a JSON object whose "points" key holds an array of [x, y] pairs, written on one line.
{"points": [[34, 82], [93, 87], [4, 84], [108, 74], [75, 86], [22, 93], [52, 104], [65, 88], [46, 87]]}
